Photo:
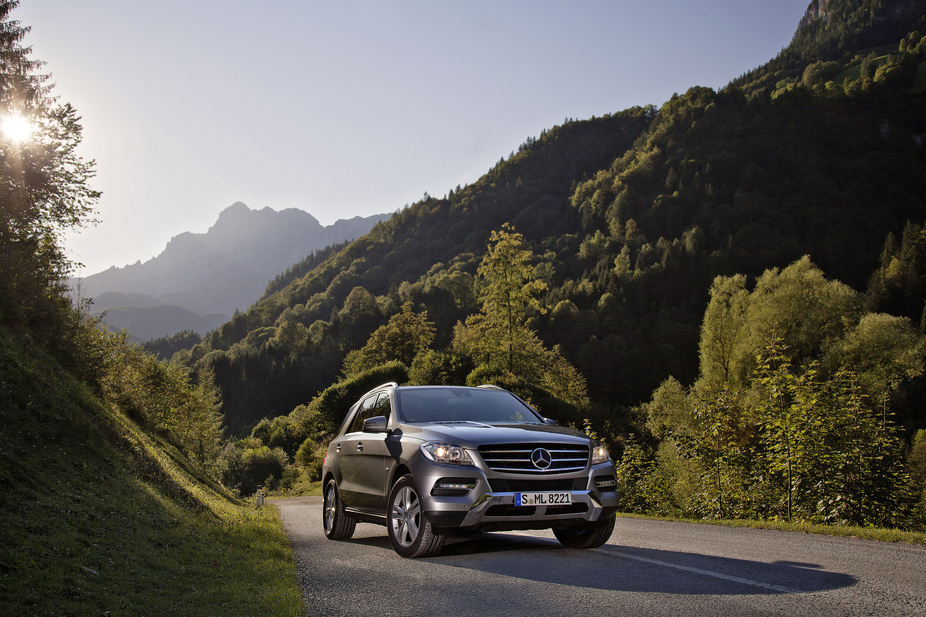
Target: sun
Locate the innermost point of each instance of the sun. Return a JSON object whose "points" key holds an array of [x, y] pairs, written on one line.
{"points": [[16, 128]]}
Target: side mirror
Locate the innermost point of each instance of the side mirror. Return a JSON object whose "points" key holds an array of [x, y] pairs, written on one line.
{"points": [[376, 424], [550, 421]]}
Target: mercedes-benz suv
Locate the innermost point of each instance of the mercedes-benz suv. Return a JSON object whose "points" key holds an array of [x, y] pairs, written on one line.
{"points": [[426, 461]]}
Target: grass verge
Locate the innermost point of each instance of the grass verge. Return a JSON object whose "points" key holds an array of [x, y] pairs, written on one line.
{"points": [[97, 517]]}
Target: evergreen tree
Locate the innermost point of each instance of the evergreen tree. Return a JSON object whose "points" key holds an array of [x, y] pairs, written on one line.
{"points": [[43, 188], [508, 290]]}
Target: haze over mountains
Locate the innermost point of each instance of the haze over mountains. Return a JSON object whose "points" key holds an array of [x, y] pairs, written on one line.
{"points": [[200, 279]]}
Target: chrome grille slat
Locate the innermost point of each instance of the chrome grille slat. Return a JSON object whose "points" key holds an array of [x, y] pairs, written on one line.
{"points": [[516, 458]]}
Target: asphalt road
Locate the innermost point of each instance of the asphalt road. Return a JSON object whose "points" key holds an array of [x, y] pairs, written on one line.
{"points": [[648, 568]]}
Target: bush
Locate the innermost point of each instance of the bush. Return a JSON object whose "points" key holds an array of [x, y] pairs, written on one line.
{"points": [[244, 470], [311, 456]]}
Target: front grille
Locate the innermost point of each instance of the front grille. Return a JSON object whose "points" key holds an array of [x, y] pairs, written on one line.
{"points": [[516, 458], [524, 486]]}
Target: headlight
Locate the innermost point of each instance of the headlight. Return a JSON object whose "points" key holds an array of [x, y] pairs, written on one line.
{"points": [[600, 454], [446, 453]]}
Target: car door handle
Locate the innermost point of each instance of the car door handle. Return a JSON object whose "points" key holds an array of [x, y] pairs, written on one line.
{"points": [[338, 449], [360, 447]]}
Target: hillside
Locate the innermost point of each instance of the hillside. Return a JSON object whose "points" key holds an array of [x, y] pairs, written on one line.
{"points": [[631, 217], [100, 516]]}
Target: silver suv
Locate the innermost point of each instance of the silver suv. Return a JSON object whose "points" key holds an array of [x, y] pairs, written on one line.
{"points": [[426, 461]]}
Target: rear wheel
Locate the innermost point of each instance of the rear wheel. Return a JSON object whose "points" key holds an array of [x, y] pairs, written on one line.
{"points": [[585, 538], [338, 526], [410, 533]]}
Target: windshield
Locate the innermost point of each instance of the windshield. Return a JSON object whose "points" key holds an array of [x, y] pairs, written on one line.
{"points": [[463, 405]]}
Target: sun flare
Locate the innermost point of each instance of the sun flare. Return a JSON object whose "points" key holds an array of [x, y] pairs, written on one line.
{"points": [[16, 128]]}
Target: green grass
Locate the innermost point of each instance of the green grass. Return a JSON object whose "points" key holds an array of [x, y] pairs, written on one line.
{"points": [[97, 517], [867, 533]]}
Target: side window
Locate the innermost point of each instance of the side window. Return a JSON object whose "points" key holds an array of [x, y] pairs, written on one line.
{"points": [[367, 410]]}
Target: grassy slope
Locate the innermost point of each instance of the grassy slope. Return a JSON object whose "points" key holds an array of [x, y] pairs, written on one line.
{"points": [[98, 517]]}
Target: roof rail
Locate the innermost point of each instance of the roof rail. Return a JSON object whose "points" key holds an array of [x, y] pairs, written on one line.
{"points": [[380, 386], [489, 386]]}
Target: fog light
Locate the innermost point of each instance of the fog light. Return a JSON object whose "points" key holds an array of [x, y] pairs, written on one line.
{"points": [[453, 487]]}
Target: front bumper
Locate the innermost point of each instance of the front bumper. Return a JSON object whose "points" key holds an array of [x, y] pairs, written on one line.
{"points": [[486, 509]]}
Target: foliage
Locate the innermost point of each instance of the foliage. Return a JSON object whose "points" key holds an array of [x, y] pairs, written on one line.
{"points": [[165, 348], [434, 368], [787, 438], [163, 399], [898, 286], [508, 293], [836, 455], [311, 456], [836, 33], [246, 469], [796, 303], [405, 336], [642, 486]]}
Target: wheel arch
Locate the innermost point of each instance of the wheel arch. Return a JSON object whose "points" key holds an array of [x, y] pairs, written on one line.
{"points": [[400, 470]]}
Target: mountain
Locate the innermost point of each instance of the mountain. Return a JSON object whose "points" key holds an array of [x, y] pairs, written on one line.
{"points": [[223, 270], [631, 216]]}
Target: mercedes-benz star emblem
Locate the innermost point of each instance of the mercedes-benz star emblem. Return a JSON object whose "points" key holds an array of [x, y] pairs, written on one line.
{"points": [[541, 459]]}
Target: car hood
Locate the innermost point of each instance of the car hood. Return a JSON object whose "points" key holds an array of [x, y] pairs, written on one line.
{"points": [[475, 434]]}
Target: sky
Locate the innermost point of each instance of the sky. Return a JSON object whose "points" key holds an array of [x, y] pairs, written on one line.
{"points": [[351, 108]]}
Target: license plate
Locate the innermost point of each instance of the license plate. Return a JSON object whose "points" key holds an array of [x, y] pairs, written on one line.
{"points": [[543, 499]]}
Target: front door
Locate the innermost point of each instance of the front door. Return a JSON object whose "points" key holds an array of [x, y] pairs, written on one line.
{"points": [[364, 459]]}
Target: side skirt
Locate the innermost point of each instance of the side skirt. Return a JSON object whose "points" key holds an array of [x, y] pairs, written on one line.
{"points": [[377, 518]]}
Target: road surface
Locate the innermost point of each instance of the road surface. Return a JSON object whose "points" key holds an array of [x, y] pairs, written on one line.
{"points": [[647, 568]]}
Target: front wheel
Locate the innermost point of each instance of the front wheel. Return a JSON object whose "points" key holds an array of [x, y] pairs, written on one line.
{"points": [[410, 533], [338, 526], [585, 538]]}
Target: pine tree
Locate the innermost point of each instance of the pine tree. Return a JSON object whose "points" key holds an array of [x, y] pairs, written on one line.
{"points": [[43, 187], [510, 288]]}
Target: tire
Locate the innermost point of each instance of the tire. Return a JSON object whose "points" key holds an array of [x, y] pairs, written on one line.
{"points": [[410, 533], [585, 538], [338, 526]]}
